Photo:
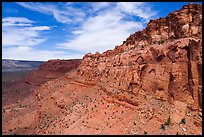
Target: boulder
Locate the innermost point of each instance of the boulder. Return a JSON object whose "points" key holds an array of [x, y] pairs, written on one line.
{"points": [[178, 111]]}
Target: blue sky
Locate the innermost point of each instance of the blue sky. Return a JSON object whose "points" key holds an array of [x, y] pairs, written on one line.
{"points": [[67, 30]]}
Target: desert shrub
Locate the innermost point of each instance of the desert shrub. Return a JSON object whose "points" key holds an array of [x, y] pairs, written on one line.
{"points": [[183, 121], [145, 132], [23, 106], [162, 126], [168, 122], [138, 68]]}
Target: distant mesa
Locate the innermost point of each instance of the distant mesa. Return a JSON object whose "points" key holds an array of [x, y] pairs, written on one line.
{"points": [[19, 65]]}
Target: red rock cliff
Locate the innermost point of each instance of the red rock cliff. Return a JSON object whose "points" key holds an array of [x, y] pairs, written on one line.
{"points": [[151, 84], [165, 59], [52, 69]]}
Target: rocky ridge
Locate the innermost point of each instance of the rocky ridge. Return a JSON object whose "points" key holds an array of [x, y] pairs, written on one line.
{"points": [[154, 79], [20, 84], [165, 59], [52, 69]]}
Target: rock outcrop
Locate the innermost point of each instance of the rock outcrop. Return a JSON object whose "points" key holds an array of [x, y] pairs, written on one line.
{"points": [[52, 69], [165, 59], [186, 22], [60, 65], [151, 84]]}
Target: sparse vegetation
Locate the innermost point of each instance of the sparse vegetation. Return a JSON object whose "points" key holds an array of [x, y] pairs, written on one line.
{"points": [[160, 88], [160, 42], [108, 80], [138, 68], [142, 46], [168, 122], [23, 106], [145, 132], [145, 97], [162, 126], [183, 121]]}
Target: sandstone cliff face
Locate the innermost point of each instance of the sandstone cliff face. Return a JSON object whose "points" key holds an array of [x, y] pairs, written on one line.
{"points": [[165, 59], [60, 65], [156, 74], [186, 22]]}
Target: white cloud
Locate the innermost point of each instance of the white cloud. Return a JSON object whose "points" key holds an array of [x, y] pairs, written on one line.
{"points": [[14, 34], [109, 27], [28, 53], [18, 39], [140, 9], [100, 26], [16, 21], [104, 27], [62, 13], [101, 33], [38, 28], [96, 6]]}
